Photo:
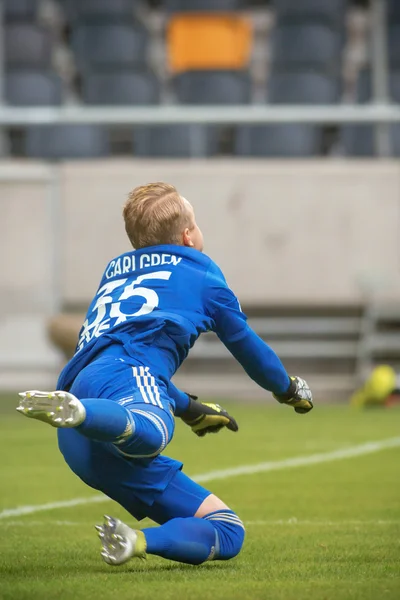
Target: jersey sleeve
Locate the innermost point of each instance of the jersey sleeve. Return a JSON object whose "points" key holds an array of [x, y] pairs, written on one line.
{"points": [[223, 306], [258, 359], [180, 398]]}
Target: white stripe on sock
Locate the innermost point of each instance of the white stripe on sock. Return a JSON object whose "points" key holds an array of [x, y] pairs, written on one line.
{"points": [[163, 425], [156, 422], [226, 520]]}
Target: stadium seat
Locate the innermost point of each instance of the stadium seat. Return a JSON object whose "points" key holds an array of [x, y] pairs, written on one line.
{"points": [[212, 41], [289, 140], [100, 9], [108, 45], [331, 12], [358, 140], [394, 82], [27, 45], [175, 141], [203, 5], [120, 87], [20, 10], [213, 87], [302, 87], [364, 87], [395, 131], [32, 88], [306, 45], [54, 142], [280, 140], [393, 11], [394, 45]]}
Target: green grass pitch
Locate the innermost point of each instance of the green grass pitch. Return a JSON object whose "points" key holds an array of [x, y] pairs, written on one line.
{"points": [[327, 531]]}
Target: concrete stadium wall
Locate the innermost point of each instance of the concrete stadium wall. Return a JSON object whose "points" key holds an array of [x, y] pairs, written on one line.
{"points": [[314, 232], [292, 232], [28, 292]]}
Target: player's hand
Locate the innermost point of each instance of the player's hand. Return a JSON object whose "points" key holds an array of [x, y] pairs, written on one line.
{"points": [[298, 395], [204, 417]]}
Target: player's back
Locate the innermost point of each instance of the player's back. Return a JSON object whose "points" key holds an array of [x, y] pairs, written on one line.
{"points": [[151, 304]]}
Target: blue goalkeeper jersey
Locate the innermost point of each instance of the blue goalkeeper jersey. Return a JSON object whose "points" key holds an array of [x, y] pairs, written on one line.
{"points": [[152, 304]]}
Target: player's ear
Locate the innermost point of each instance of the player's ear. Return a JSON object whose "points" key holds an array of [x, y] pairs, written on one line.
{"points": [[186, 239]]}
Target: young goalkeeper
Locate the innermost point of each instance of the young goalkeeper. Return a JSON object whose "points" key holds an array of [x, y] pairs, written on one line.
{"points": [[116, 410]]}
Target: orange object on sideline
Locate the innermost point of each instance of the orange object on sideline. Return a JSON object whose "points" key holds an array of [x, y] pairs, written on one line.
{"points": [[208, 41]]}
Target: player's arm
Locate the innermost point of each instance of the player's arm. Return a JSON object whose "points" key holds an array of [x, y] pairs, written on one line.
{"points": [[258, 359], [263, 365], [202, 417]]}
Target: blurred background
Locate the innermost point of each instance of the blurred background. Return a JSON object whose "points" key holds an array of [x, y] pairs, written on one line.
{"points": [[278, 120]]}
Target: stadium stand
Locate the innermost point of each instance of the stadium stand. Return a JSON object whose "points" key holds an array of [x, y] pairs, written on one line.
{"points": [[27, 45], [107, 45], [175, 141], [358, 140], [286, 140], [126, 52], [313, 45], [20, 10], [330, 12], [204, 5], [213, 87], [120, 87], [393, 10], [394, 45], [55, 142], [290, 140], [100, 9], [303, 87], [211, 41], [32, 88]]}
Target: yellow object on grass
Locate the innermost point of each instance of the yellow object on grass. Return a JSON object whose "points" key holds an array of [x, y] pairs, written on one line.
{"points": [[379, 385]]}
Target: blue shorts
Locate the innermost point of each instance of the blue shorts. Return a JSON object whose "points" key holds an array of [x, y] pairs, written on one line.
{"points": [[154, 488], [145, 487], [116, 379]]}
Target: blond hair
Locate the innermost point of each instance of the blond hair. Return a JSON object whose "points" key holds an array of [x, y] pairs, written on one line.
{"points": [[155, 214]]}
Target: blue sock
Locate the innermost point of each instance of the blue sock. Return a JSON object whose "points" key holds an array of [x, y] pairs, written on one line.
{"points": [[189, 540], [105, 420], [139, 433]]}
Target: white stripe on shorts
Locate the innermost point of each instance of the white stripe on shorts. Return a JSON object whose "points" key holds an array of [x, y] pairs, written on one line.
{"points": [[140, 385], [156, 391], [149, 384]]}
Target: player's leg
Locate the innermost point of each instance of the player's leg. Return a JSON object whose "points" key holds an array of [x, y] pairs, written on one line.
{"points": [[196, 527], [110, 401], [137, 429]]}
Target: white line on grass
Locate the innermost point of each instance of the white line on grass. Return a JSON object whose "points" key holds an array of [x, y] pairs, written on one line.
{"points": [[292, 522], [264, 467]]}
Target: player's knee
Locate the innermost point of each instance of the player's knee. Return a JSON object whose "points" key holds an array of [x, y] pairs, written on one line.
{"points": [[230, 533]]}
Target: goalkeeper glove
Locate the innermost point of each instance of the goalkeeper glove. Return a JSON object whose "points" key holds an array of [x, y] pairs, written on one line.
{"points": [[298, 395], [204, 418]]}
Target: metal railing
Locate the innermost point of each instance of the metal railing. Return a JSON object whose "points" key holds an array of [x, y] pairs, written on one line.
{"points": [[210, 115]]}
